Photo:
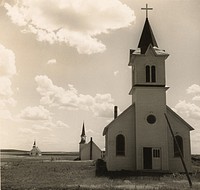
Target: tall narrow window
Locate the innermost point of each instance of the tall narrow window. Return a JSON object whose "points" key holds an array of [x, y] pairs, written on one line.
{"points": [[120, 145], [153, 74], [180, 144], [147, 73]]}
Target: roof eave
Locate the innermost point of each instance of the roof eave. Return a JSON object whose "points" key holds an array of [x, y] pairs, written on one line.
{"points": [[177, 116]]}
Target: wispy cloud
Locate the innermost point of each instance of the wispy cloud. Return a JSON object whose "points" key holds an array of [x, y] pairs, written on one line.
{"points": [[116, 73], [194, 90], [51, 62], [41, 125], [56, 124], [74, 22], [35, 113], [101, 104]]}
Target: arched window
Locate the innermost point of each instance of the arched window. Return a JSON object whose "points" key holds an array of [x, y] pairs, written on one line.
{"points": [[147, 73], [120, 145], [180, 144], [153, 74]]}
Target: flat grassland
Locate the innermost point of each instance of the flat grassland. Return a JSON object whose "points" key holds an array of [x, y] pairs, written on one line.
{"points": [[60, 172]]}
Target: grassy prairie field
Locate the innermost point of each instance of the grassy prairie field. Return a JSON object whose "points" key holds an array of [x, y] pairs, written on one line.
{"points": [[60, 172]]}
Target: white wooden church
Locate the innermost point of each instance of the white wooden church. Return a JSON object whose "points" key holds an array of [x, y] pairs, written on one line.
{"points": [[139, 139], [35, 151], [88, 151]]}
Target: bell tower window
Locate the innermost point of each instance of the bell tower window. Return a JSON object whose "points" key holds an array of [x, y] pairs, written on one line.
{"points": [[147, 73], [150, 73], [153, 74]]}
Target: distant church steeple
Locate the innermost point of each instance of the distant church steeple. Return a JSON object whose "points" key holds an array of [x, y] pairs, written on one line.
{"points": [[34, 144], [83, 136]]}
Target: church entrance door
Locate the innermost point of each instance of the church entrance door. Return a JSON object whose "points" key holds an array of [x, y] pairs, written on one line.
{"points": [[147, 157], [156, 160], [151, 158]]}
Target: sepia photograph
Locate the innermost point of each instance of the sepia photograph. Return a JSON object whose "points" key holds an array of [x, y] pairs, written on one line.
{"points": [[99, 94]]}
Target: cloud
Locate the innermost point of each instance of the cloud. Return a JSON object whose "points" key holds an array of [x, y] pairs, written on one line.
{"points": [[193, 89], [188, 109], [116, 73], [74, 22], [7, 62], [28, 131], [101, 104], [61, 124], [5, 87], [5, 114], [41, 126], [51, 62], [35, 113], [7, 71], [196, 98]]}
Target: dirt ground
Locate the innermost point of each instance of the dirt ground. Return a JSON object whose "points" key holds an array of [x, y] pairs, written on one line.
{"points": [[61, 172]]}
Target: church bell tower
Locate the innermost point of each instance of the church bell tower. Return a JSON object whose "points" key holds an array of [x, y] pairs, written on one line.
{"points": [[149, 97]]}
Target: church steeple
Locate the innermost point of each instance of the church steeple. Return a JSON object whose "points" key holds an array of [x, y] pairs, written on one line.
{"points": [[147, 61], [83, 136], [147, 38], [34, 144]]}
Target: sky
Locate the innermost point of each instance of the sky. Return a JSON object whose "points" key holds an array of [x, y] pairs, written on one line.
{"points": [[65, 62]]}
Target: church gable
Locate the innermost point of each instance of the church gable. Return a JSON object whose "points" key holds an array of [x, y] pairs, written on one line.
{"points": [[119, 135], [90, 151], [181, 130], [178, 120], [128, 113]]}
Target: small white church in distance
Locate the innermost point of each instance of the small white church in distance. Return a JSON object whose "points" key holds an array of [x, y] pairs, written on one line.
{"points": [[88, 151], [139, 139]]}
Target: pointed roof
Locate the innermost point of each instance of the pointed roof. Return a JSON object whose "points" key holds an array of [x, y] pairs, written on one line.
{"points": [[83, 131], [170, 111], [147, 38], [130, 108], [34, 144]]}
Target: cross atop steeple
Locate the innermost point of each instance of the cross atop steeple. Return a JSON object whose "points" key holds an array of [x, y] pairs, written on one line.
{"points": [[147, 9]]}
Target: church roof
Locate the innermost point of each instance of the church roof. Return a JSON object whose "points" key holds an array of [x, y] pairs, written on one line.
{"points": [[35, 149], [121, 115], [93, 144], [156, 51], [147, 38], [169, 110]]}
